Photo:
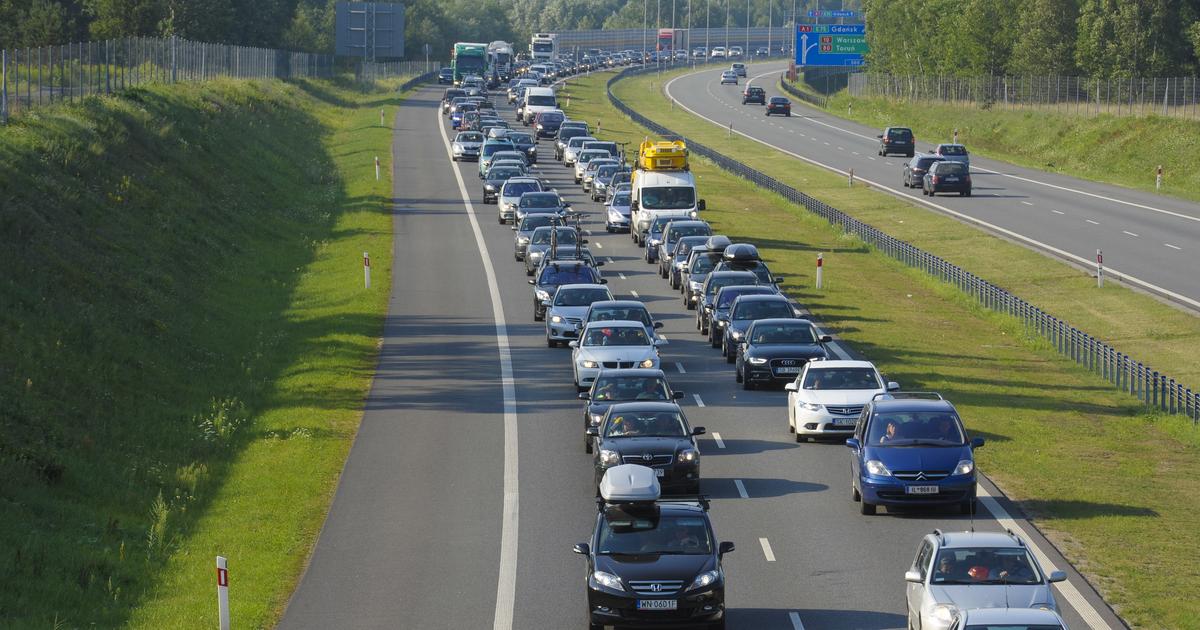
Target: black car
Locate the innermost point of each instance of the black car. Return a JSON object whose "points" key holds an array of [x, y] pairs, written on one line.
{"points": [[680, 256], [558, 273], [754, 94], [548, 123], [708, 293], [915, 169], [718, 318], [542, 202], [897, 140], [700, 263], [614, 386], [744, 257], [525, 144], [652, 434], [445, 76], [448, 97], [652, 562], [494, 180], [774, 351], [564, 134], [779, 105], [745, 310], [947, 176]]}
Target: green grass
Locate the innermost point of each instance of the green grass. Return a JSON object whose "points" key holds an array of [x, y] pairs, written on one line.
{"points": [[1122, 150], [185, 344], [1107, 480]]}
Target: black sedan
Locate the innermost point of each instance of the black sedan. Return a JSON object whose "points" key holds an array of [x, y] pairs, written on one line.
{"points": [[494, 180], [722, 304], [652, 434], [779, 105], [445, 76], [559, 273], [743, 311], [774, 351], [614, 386]]}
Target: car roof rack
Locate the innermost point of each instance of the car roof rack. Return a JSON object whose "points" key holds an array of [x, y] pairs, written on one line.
{"points": [[907, 396], [940, 536], [700, 499], [1009, 531]]}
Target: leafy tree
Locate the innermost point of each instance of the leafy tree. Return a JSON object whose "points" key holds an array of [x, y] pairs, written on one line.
{"points": [[1045, 38], [123, 18]]}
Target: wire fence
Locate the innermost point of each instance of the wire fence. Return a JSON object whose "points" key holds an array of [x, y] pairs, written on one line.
{"points": [[1128, 374], [369, 71], [1177, 97]]}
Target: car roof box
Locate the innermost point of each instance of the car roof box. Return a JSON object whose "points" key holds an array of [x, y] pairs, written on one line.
{"points": [[741, 252], [630, 483], [716, 243], [663, 155]]}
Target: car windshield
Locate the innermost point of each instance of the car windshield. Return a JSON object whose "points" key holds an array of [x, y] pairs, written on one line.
{"points": [[591, 154], [540, 100], [668, 198], [606, 171], [580, 297], [1013, 626], [574, 274], [726, 297], [763, 309], [621, 199], [953, 149], [635, 533], [471, 136], [984, 565], [523, 139], [841, 378], [915, 428], [659, 225], [703, 264], [571, 132], [620, 313], [516, 189], [539, 201], [551, 117], [645, 424], [541, 236], [535, 221], [616, 336], [681, 231], [490, 149], [951, 168], [616, 388], [923, 163], [782, 333], [502, 173]]}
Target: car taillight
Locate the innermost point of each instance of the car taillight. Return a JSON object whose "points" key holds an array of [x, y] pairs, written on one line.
{"points": [[934, 179], [886, 141], [967, 178]]}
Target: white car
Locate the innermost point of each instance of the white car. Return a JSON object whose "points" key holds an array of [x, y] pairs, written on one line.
{"points": [[611, 345], [827, 397], [466, 145], [718, 51], [566, 309], [571, 151], [1009, 618], [585, 156], [510, 196], [962, 571], [729, 76]]}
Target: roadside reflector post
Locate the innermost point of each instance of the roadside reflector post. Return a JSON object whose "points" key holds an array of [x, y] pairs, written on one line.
{"points": [[730, 134], [1158, 178], [597, 126], [955, 136], [1099, 269], [850, 178], [849, 109], [366, 270], [223, 592], [820, 270], [381, 118], [376, 168]]}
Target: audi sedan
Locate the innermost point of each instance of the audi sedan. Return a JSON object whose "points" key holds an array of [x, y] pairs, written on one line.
{"points": [[775, 350], [779, 105]]}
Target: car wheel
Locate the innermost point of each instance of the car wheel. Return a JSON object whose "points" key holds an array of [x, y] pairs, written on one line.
{"points": [[587, 446], [730, 357], [967, 507], [856, 497], [500, 219], [789, 114], [719, 625], [674, 284], [550, 343], [910, 154], [538, 316], [453, 159], [746, 384], [866, 509], [712, 338], [967, 194], [528, 271], [737, 375]]}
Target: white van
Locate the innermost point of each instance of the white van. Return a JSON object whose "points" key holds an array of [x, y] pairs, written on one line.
{"points": [[662, 194], [538, 99]]}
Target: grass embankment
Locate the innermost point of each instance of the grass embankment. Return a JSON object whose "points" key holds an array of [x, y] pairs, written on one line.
{"points": [[185, 344], [1099, 473], [1122, 150]]}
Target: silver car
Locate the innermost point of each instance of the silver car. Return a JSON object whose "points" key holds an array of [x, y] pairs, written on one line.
{"points": [[953, 153], [585, 156], [1010, 618], [524, 230], [617, 212], [590, 171], [510, 196], [965, 570], [566, 308], [466, 145], [729, 76], [571, 151], [539, 245]]}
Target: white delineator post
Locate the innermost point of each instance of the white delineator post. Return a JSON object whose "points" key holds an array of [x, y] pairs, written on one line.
{"points": [[1099, 268], [376, 168], [820, 269], [1158, 178], [366, 270], [955, 136], [381, 118], [223, 592], [850, 178]]}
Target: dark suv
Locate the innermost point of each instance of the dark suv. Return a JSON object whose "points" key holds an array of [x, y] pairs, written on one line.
{"points": [[897, 140], [947, 176], [754, 94]]}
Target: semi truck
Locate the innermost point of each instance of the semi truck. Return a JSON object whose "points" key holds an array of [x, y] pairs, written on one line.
{"points": [[468, 58]]}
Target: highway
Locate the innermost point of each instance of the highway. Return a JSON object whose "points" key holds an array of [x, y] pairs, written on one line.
{"points": [[1152, 241], [465, 489]]}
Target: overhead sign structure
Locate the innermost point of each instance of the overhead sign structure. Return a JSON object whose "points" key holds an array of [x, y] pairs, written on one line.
{"points": [[832, 14], [830, 45], [372, 30]]}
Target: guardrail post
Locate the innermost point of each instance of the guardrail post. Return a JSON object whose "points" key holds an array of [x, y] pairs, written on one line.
{"points": [[3, 87]]}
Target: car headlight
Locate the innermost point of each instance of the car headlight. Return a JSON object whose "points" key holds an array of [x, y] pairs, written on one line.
{"points": [[648, 363], [535, 256], [609, 458], [588, 363], [522, 240], [539, 126], [694, 286], [721, 323], [596, 418], [542, 294], [705, 579], [943, 613], [811, 406], [608, 580], [757, 360], [688, 455], [557, 319], [458, 149], [654, 242], [737, 334], [964, 467], [693, 214], [532, 151], [489, 188], [876, 467], [614, 215]]}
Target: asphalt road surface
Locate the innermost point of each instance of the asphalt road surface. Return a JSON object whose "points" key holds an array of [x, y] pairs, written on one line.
{"points": [[416, 536], [1152, 241]]}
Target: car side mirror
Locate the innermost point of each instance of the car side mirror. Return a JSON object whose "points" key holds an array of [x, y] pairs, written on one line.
{"points": [[514, 228], [725, 547], [700, 205], [853, 443], [893, 386], [545, 302], [676, 395], [633, 205], [582, 549], [1058, 576], [879, 136], [777, 280], [699, 430], [791, 387], [658, 325], [585, 396], [659, 342], [531, 281], [592, 431], [977, 442], [825, 338], [911, 575], [583, 241], [572, 344]]}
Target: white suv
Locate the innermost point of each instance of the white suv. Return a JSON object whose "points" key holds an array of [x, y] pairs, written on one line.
{"points": [[828, 396]]}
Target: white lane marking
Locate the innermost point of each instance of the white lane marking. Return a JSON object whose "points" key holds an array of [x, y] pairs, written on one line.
{"points": [[610, 260], [1058, 212], [622, 276], [741, 488], [1172, 246], [872, 159], [1129, 233], [855, 152], [888, 162], [1027, 203], [634, 294], [506, 583], [1092, 222], [718, 440], [1113, 272], [766, 547], [599, 246], [841, 148], [699, 400], [826, 144], [1091, 617], [679, 366], [795, 619]]}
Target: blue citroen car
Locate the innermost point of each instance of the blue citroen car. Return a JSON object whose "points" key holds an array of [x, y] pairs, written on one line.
{"points": [[910, 449]]}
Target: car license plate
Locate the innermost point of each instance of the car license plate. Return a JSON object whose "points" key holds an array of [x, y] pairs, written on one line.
{"points": [[921, 489], [787, 370], [845, 422], [951, 178], [658, 472], [658, 604]]}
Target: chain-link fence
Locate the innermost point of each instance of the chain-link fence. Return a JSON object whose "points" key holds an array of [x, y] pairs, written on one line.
{"points": [[1123, 371], [369, 71], [1170, 96], [777, 39]]}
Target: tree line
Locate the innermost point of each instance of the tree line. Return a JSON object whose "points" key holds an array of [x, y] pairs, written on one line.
{"points": [[1095, 38]]}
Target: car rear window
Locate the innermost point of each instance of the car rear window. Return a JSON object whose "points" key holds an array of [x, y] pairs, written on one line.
{"points": [[951, 168], [899, 134], [778, 100], [925, 162], [953, 149], [551, 117]]}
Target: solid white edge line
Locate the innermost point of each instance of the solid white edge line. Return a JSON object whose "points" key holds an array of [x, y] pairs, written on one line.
{"points": [[795, 619], [741, 488], [766, 547], [717, 438], [1087, 263], [1068, 591], [1172, 246], [699, 401], [506, 583]]}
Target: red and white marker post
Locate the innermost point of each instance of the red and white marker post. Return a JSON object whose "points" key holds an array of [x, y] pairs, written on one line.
{"points": [[376, 168], [820, 269], [366, 270], [1099, 269], [1158, 178], [223, 592]]}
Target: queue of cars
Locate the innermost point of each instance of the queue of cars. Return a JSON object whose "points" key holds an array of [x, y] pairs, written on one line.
{"points": [[653, 559]]}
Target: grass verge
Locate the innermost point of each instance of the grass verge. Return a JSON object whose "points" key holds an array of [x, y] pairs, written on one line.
{"points": [[185, 343], [1099, 474]]}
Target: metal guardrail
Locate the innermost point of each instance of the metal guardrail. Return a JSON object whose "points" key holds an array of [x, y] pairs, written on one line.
{"points": [[417, 80], [817, 101], [1126, 373]]}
